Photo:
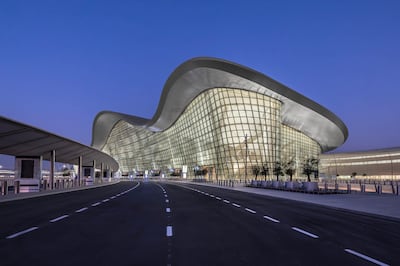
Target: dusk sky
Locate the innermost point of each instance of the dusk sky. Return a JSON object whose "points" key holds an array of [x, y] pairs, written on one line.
{"points": [[62, 62]]}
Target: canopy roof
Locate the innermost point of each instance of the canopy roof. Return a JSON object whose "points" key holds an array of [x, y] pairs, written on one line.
{"points": [[19, 139], [200, 74]]}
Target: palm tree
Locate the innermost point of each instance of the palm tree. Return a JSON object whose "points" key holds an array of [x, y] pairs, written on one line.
{"points": [[290, 169], [310, 166], [277, 170]]}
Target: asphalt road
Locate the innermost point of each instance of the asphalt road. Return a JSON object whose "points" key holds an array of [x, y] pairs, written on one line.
{"points": [[158, 223]]}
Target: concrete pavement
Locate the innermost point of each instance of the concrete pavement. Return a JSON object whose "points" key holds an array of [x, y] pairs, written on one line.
{"points": [[20, 196], [370, 203]]}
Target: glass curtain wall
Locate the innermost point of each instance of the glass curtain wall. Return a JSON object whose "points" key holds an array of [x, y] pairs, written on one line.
{"points": [[223, 133]]}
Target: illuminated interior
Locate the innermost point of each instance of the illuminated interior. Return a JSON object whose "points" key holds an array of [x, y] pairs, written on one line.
{"points": [[210, 137]]}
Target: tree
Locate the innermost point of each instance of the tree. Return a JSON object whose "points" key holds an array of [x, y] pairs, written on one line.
{"points": [[310, 166], [265, 171], [290, 169], [256, 170], [277, 170]]}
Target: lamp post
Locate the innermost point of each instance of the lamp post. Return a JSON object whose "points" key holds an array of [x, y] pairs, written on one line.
{"points": [[245, 162]]}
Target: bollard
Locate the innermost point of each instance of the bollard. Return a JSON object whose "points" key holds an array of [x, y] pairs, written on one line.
{"points": [[326, 186], [44, 184], [379, 189], [4, 187], [16, 186], [348, 188], [363, 188]]}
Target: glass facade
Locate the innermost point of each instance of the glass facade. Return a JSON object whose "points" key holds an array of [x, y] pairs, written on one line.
{"points": [[223, 133]]}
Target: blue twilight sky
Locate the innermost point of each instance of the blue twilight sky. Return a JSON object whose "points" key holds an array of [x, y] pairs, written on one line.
{"points": [[62, 62]]}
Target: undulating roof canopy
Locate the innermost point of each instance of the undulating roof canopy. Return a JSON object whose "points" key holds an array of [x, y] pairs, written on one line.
{"points": [[199, 74]]}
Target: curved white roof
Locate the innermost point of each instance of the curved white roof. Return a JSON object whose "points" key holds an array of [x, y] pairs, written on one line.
{"points": [[199, 74]]}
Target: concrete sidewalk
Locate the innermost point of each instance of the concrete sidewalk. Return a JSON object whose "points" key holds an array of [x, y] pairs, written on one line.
{"points": [[11, 196], [369, 203]]}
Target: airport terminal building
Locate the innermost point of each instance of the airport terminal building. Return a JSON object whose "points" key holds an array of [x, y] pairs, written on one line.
{"points": [[220, 120]]}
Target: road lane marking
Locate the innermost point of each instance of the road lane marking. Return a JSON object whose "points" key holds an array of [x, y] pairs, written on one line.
{"points": [[96, 204], [58, 218], [22, 232], [250, 210], [236, 205], [113, 197], [105, 200], [226, 201], [206, 194], [365, 257], [166, 195], [271, 219], [305, 232], [166, 200], [212, 196], [168, 210], [218, 198], [82, 209], [169, 230]]}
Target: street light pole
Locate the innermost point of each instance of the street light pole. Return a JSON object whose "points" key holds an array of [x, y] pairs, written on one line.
{"points": [[245, 162]]}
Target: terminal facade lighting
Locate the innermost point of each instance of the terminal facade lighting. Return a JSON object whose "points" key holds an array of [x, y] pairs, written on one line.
{"points": [[220, 120]]}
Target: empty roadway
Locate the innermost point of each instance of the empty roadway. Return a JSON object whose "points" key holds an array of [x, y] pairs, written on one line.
{"points": [[160, 223]]}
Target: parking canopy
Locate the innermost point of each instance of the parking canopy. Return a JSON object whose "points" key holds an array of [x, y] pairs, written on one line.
{"points": [[18, 139]]}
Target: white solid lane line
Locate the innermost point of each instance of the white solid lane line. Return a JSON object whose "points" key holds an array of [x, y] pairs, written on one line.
{"points": [[305, 232], [22, 232], [377, 262], [169, 230], [250, 210], [168, 209], [81, 210], [96, 204], [58, 218], [226, 201], [271, 219], [236, 205]]}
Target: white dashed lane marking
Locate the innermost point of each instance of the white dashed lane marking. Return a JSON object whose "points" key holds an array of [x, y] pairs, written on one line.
{"points": [[250, 210], [81, 210], [58, 218], [169, 230], [105, 200], [168, 210], [365, 257], [271, 219], [305, 232], [96, 204], [226, 201], [22, 232], [236, 205], [166, 200]]}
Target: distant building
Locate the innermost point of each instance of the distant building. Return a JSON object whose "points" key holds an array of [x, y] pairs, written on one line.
{"points": [[220, 120], [374, 164]]}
